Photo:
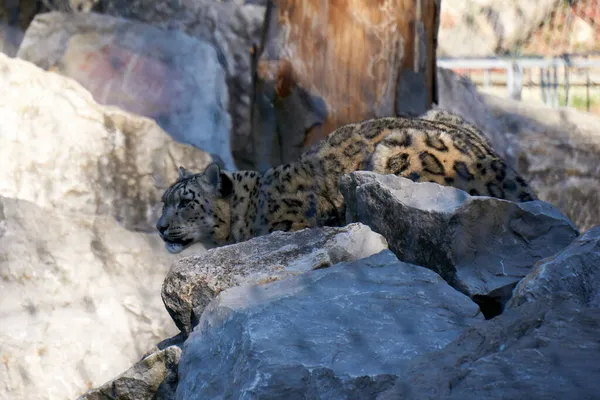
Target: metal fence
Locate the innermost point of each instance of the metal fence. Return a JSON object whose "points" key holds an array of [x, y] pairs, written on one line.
{"points": [[555, 77]]}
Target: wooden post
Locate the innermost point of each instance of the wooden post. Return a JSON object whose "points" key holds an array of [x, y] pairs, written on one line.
{"points": [[359, 59], [587, 86], [566, 71]]}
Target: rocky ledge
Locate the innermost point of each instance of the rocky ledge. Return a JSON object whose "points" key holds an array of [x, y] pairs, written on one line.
{"points": [[475, 296]]}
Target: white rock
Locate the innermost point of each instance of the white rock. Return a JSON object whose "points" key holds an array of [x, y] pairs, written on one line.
{"points": [[59, 148], [79, 300]]}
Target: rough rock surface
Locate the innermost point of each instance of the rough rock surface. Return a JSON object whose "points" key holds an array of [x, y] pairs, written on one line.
{"points": [[232, 28], [557, 151], [153, 377], [341, 331], [489, 27], [477, 244], [79, 300], [533, 352], [194, 281], [574, 271], [544, 346], [142, 69], [59, 148]]}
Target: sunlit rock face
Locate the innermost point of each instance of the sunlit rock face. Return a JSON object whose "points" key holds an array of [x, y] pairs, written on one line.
{"points": [[80, 285], [80, 299], [59, 148]]}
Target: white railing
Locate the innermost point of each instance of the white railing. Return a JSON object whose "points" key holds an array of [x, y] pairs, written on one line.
{"points": [[547, 70]]}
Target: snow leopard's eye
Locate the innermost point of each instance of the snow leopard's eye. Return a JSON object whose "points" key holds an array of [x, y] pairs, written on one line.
{"points": [[183, 203]]}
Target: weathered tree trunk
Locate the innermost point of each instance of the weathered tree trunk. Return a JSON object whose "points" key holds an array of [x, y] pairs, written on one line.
{"points": [[330, 62]]}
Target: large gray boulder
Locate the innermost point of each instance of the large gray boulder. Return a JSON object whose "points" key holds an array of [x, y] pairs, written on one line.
{"points": [[192, 282], [165, 75], [544, 345], [60, 149], [537, 351], [339, 332], [575, 272], [232, 28], [557, 151], [477, 244]]}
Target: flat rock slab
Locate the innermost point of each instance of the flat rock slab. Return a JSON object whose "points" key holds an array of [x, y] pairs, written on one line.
{"points": [[337, 332], [162, 74], [477, 244], [194, 281], [574, 272]]}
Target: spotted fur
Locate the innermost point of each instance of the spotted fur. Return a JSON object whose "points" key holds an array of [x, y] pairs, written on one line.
{"points": [[224, 207]]}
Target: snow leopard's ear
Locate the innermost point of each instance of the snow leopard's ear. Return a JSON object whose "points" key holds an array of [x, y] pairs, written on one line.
{"points": [[217, 180], [184, 173]]}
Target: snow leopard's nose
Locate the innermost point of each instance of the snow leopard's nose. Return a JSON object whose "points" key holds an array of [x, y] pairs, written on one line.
{"points": [[161, 226]]}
